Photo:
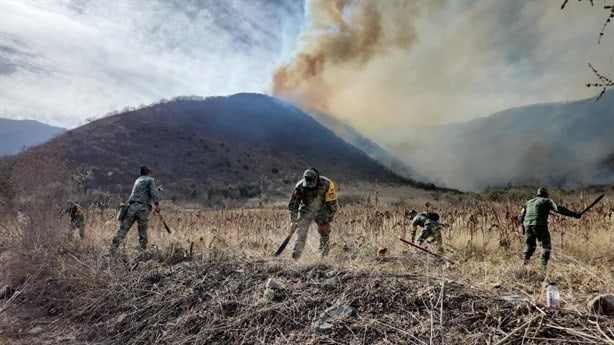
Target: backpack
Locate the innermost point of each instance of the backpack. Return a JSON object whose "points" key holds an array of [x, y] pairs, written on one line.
{"points": [[432, 216]]}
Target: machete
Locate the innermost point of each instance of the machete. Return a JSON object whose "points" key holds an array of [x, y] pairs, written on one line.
{"points": [[285, 242], [425, 250], [164, 222], [593, 204]]}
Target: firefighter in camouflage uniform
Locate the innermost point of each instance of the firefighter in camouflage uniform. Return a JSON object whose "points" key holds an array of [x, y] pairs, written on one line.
{"points": [[313, 199], [534, 220], [77, 218], [429, 221], [144, 194]]}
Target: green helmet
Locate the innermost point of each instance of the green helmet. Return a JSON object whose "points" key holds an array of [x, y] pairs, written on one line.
{"points": [[411, 213], [543, 192], [310, 178], [144, 169]]}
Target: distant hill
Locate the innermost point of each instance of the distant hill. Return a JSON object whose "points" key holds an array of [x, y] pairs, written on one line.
{"points": [[220, 145], [557, 144], [16, 135]]}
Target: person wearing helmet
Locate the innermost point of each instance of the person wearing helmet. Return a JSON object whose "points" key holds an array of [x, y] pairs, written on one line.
{"points": [[429, 221], [313, 199], [77, 218], [144, 194], [534, 220]]}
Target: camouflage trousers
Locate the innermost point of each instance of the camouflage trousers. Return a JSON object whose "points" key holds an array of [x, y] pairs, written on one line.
{"points": [[301, 232], [77, 223], [431, 231], [136, 212], [541, 234]]}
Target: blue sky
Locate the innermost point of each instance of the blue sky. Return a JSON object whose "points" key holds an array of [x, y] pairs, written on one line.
{"points": [[432, 62]]}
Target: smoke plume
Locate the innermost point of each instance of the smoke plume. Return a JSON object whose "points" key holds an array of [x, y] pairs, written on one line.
{"points": [[340, 38], [394, 70]]}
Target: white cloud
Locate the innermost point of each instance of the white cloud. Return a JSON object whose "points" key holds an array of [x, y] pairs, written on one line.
{"points": [[95, 57]]}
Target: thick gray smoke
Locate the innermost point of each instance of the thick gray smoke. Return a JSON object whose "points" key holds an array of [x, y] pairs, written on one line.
{"points": [[390, 67]]}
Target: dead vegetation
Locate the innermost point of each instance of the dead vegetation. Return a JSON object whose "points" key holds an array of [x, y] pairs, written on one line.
{"points": [[212, 281]]}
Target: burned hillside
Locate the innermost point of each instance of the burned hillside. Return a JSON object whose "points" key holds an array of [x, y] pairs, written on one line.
{"points": [[238, 146]]}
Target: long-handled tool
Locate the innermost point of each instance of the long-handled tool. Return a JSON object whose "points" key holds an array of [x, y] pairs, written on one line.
{"points": [[285, 242], [593, 204], [164, 222], [425, 250]]}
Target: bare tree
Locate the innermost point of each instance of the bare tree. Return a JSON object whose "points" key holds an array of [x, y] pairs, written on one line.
{"points": [[603, 81]]}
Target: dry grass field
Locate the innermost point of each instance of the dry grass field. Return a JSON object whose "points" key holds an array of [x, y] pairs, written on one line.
{"points": [[206, 282]]}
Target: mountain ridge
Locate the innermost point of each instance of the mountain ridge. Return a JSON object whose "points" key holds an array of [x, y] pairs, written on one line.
{"points": [[563, 144], [234, 146], [372, 149], [16, 135]]}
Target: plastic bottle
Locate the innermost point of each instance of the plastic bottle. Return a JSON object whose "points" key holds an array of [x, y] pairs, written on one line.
{"points": [[553, 301]]}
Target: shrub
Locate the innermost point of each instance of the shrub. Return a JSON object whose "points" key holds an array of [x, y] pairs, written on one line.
{"points": [[238, 191]]}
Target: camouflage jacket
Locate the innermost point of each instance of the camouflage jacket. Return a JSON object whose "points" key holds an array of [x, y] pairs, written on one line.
{"points": [[421, 219], [319, 202], [145, 191], [535, 212]]}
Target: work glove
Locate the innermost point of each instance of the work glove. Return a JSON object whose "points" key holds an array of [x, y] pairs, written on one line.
{"points": [[293, 226], [413, 236], [323, 229], [157, 208]]}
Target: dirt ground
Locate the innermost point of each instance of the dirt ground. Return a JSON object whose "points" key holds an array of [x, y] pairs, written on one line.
{"points": [[219, 300]]}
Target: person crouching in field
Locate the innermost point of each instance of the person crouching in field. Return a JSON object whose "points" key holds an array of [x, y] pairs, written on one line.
{"points": [[77, 218], [313, 199], [534, 220], [429, 221], [144, 194]]}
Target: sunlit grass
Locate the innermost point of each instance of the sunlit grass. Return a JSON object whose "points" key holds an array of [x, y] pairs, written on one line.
{"points": [[482, 238]]}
